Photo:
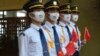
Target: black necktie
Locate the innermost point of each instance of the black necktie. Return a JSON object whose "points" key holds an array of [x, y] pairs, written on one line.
{"points": [[44, 43], [56, 38], [69, 33], [77, 33]]}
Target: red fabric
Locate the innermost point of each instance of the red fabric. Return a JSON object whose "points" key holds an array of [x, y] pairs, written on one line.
{"points": [[87, 36], [60, 53], [70, 48], [74, 36]]}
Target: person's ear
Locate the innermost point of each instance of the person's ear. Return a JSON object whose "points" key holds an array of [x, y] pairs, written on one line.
{"points": [[31, 14], [61, 15], [46, 13], [71, 17]]}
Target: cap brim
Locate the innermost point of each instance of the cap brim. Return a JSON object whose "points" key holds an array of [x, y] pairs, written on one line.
{"points": [[75, 11], [65, 10], [37, 6], [52, 7]]}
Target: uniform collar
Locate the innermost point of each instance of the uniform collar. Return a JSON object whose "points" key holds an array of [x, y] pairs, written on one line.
{"points": [[48, 25], [62, 24], [68, 24], [72, 23], [35, 26]]}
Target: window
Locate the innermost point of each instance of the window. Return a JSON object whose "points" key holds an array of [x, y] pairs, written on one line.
{"points": [[3, 27], [1, 13], [21, 13]]}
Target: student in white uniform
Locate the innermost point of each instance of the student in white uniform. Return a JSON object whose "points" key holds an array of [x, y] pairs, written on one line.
{"points": [[65, 16], [32, 41], [74, 19], [52, 15]]}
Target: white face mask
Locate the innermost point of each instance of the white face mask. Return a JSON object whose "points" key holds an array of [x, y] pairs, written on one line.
{"points": [[38, 16], [75, 18], [67, 17], [54, 16]]}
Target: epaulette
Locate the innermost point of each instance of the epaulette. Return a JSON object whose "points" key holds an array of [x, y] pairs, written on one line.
{"points": [[22, 34], [26, 28]]}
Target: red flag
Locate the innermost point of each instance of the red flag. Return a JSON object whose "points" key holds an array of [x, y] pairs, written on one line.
{"points": [[60, 53], [74, 36], [70, 48], [87, 36]]}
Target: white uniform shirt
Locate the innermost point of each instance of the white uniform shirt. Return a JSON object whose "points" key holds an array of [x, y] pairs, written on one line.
{"points": [[30, 42], [71, 27], [65, 33], [49, 26]]}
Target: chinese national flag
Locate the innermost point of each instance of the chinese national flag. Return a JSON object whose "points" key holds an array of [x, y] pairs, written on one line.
{"points": [[60, 53], [74, 36], [87, 36], [70, 48]]}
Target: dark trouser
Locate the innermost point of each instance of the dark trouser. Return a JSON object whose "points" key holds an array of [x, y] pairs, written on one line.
{"points": [[76, 53]]}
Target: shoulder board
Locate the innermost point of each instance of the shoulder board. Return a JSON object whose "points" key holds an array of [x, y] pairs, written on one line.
{"points": [[22, 33], [26, 28]]}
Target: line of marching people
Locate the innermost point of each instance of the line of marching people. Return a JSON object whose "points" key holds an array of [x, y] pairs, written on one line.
{"points": [[52, 30]]}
